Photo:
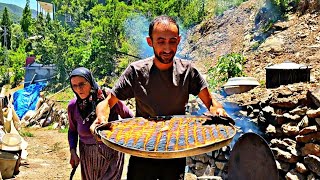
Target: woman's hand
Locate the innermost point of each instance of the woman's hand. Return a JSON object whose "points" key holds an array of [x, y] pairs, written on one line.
{"points": [[74, 159], [99, 120]]}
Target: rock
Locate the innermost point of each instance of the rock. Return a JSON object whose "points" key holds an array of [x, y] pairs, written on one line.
{"points": [[209, 171], [292, 117], [284, 155], [283, 166], [256, 112], [290, 129], [277, 119], [243, 113], [313, 113], [288, 103], [312, 149], [312, 137], [309, 129], [286, 144], [210, 177], [55, 125], [314, 95], [268, 110], [219, 165], [304, 122], [202, 158], [301, 111], [200, 168], [190, 162], [190, 176], [318, 121], [311, 176], [301, 168], [271, 129], [313, 163], [274, 44], [294, 175]]}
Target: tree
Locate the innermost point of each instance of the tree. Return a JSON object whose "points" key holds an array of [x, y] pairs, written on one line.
{"points": [[48, 22], [40, 25], [17, 38], [26, 19], [6, 29]]}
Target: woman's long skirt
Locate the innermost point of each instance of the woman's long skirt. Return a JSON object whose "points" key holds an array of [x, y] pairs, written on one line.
{"points": [[100, 162]]}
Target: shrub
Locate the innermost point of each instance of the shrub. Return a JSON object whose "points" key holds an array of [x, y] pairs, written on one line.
{"points": [[230, 65]]}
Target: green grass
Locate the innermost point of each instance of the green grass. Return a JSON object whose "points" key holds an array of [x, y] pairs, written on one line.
{"points": [[223, 5], [26, 134], [50, 127], [65, 130], [62, 98]]}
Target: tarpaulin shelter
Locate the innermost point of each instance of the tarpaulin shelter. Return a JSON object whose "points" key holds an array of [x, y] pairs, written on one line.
{"points": [[26, 99]]}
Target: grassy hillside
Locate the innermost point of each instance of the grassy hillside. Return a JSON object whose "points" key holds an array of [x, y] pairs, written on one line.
{"points": [[15, 11]]}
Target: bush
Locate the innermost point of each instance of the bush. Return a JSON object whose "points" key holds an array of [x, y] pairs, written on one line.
{"points": [[230, 65]]}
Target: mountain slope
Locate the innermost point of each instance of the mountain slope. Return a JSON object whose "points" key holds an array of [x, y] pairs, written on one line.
{"points": [[15, 11], [296, 39]]}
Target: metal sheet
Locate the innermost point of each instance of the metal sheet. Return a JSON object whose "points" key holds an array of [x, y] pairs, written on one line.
{"points": [[173, 154], [251, 159]]}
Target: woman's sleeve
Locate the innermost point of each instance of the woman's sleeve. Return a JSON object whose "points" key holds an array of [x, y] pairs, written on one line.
{"points": [[72, 132], [123, 110]]}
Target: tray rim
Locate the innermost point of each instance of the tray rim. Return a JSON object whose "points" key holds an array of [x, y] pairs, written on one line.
{"points": [[168, 154]]}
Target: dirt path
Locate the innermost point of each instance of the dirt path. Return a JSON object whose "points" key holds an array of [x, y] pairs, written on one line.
{"points": [[48, 156]]}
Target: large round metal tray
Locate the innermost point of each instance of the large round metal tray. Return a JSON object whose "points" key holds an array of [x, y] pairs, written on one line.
{"points": [[171, 154]]}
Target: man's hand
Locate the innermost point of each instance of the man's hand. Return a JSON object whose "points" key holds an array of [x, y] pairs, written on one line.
{"points": [[219, 111], [103, 111]]}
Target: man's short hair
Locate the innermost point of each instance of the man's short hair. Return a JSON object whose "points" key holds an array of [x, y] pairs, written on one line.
{"points": [[160, 19]]}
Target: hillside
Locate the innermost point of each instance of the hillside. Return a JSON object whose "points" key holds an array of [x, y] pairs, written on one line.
{"points": [[296, 39], [15, 11]]}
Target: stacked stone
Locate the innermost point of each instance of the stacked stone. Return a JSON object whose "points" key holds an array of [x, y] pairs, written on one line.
{"points": [[212, 165], [290, 119]]}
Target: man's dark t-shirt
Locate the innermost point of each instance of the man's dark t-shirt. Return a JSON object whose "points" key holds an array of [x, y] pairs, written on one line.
{"points": [[159, 92]]}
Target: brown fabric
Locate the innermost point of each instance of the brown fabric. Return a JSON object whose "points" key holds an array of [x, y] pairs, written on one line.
{"points": [[159, 92], [100, 163]]}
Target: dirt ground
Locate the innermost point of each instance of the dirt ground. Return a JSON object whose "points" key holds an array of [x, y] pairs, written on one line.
{"points": [[48, 156]]}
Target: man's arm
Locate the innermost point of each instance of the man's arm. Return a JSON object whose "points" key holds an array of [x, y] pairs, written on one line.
{"points": [[213, 106], [103, 111]]}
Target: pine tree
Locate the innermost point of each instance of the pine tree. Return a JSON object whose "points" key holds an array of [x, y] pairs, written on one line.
{"points": [[40, 25], [6, 29], [48, 22], [26, 19]]}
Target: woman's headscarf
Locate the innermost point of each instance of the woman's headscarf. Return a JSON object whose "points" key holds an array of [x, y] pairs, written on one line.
{"points": [[88, 105]]}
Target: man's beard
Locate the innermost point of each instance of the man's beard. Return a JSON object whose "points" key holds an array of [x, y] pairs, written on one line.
{"points": [[164, 61]]}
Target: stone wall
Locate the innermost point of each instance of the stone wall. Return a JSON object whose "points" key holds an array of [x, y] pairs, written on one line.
{"points": [[289, 119]]}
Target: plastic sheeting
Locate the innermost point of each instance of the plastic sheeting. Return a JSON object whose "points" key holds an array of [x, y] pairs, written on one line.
{"points": [[26, 99]]}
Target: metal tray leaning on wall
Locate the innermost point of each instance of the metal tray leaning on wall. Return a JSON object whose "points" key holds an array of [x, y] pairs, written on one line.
{"points": [[220, 126]]}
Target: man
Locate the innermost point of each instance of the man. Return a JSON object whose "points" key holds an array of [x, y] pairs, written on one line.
{"points": [[161, 86]]}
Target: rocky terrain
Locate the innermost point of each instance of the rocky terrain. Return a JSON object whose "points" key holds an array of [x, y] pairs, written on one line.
{"points": [[288, 116], [296, 38]]}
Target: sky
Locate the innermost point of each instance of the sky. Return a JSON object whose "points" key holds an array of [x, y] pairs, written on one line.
{"points": [[21, 3]]}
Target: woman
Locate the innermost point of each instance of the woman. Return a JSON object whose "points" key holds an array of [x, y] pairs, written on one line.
{"points": [[97, 160]]}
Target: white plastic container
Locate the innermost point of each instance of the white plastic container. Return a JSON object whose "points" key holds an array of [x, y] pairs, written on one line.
{"points": [[11, 142], [7, 164]]}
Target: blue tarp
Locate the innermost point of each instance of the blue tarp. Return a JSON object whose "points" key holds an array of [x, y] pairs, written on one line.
{"points": [[26, 99]]}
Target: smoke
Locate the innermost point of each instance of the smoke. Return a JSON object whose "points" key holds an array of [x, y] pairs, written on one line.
{"points": [[243, 123], [137, 29]]}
